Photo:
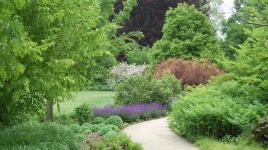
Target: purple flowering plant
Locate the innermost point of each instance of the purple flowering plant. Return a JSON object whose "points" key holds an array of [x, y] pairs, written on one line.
{"points": [[132, 112]]}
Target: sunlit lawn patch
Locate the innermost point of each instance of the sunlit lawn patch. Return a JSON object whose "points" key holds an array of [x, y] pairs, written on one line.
{"points": [[93, 98]]}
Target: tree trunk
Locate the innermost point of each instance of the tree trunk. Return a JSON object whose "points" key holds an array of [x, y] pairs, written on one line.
{"points": [[49, 110]]}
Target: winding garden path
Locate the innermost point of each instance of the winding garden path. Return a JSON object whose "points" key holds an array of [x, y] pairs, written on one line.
{"points": [[156, 135]]}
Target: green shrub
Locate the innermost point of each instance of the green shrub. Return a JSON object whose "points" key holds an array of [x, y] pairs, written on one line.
{"points": [[33, 135], [107, 128], [96, 127], [208, 111], [98, 120], [75, 128], [83, 113], [166, 88], [115, 120], [138, 89], [86, 128], [139, 57], [110, 134], [117, 142], [96, 80], [144, 89], [65, 119]]}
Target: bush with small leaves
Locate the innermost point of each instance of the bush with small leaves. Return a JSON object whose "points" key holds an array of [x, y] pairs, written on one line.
{"points": [[83, 113], [210, 111], [144, 89], [139, 57], [115, 120], [107, 128], [33, 135], [118, 142], [98, 120]]}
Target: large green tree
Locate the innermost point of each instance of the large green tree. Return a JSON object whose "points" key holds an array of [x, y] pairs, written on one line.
{"points": [[15, 49], [187, 33], [251, 62], [50, 47], [235, 28]]}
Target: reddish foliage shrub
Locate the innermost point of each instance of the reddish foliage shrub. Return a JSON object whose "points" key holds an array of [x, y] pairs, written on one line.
{"points": [[191, 72]]}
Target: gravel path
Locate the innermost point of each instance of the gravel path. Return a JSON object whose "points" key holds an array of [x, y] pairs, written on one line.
{"points": [[156, 135]]}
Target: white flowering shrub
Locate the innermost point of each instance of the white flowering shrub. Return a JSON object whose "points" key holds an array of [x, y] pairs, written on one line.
{"points": [[123, 71]]}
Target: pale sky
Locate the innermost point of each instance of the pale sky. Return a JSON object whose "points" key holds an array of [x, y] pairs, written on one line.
{"points": [[227, 7]]}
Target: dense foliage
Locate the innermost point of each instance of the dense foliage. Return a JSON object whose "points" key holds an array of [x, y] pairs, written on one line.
{"points": [[236, 100], [104, 134], [187, 33], [236, 28], [216, 111], [34, 136], [190, 72], [43, 136], [52, 47], [148, 17], [115, 120], [120, 141], [83, 113], [49, 48], [139, 57], [144, 89]]}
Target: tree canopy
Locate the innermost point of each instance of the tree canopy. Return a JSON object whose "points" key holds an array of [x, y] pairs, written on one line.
{"points": [[187, 33], [49, 47]]}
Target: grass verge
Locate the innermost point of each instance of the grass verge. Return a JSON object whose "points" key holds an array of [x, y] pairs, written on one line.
{"points": [[211, 144]]}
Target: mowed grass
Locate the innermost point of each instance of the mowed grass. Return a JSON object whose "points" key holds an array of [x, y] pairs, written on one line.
{"points": [[94, 98]]}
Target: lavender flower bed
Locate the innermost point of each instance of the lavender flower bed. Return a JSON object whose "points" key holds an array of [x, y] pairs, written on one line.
{"points": [[132, 112]]}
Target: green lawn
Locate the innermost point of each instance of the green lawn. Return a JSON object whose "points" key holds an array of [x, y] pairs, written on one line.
{"points": [[94, 98]]}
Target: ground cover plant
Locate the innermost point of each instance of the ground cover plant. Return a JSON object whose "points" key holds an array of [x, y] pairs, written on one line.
{"points": [[132, 112], [104, 134], [120, 141], [95, 135], [34, 135]]}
